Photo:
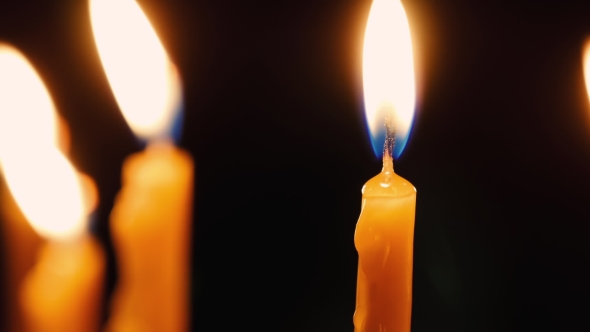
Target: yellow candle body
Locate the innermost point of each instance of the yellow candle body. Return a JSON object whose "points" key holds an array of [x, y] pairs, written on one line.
{"points": [[384, 239], [151, 227], [64, 290]]}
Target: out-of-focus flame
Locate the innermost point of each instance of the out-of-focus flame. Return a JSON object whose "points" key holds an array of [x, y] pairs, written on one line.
{"points": [[143, 79], [48, 192], [388, 73], [27, 114], [586, 59], [42, 181]]}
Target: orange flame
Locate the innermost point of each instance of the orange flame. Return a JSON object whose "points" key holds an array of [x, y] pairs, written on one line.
{"points": [[586, 60]]}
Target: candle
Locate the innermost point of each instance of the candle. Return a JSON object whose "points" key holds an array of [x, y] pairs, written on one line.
{"points": [[385, 230], [151, 229], [586, 64], [21, 244], [151, 220], [63, 290]]}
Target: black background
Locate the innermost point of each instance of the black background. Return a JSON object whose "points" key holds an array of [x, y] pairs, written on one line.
{"points": [[500, 154]]}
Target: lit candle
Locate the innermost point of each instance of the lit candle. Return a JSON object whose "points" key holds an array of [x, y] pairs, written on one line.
{"points": [[151, 220], [21, 242], [586, 64], [385, 230], [63, 290]]}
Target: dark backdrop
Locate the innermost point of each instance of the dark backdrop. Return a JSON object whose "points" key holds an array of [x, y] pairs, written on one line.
{"points": [[500, 154]]}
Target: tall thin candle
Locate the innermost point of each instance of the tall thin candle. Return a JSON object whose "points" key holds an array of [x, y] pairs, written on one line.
{"points": [[384, 234], [151, 220], [64, 289]]}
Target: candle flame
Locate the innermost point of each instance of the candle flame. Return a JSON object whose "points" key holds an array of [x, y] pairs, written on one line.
{"points": [[586, 60], [27, 113], [388, 74], [42, 181], [144, 81]]}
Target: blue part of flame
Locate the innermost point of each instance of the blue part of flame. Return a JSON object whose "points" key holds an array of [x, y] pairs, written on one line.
{"points": [[174, 133], [176, 128], [378, 140]]}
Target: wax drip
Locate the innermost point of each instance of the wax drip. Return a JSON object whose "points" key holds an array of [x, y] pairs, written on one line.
{"points": [[389, 144]]}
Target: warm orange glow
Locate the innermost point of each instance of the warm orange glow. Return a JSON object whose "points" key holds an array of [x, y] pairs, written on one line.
{"points": [[42, 181], [586, 60], [388, 69], [142, 77]]}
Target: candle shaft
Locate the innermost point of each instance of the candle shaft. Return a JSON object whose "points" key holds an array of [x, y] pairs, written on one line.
{"points": [[151, 226], [384, 240], [64, 290]]}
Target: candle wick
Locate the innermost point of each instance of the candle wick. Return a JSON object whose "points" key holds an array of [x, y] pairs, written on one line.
{"points": [[389, 143]]}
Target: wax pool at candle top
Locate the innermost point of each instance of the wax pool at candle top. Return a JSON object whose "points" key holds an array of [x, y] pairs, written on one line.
{"points": [[384, 240]]}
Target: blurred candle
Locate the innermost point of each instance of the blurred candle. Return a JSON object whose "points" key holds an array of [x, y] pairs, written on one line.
{"points": [[385, 230], [21, 242], [586, 64], [18, 81], [151, 220], [63, 290]]}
